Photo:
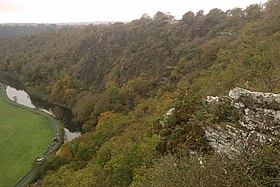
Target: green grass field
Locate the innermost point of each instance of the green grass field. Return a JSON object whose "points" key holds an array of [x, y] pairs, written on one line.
{"points": [[24, 135]]}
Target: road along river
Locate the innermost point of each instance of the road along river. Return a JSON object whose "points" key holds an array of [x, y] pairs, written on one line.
{"points": [[22, 98], [25, 134]]}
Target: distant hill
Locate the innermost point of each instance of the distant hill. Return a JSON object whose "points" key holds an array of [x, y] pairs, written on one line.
{"points": [[119, 80], [25, 29]]}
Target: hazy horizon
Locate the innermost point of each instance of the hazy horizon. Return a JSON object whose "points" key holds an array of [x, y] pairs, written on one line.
{"points": [[71, 11]]}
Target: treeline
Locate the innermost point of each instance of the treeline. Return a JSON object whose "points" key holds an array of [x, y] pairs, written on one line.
{"points": [[20, 30], [120, 79]]}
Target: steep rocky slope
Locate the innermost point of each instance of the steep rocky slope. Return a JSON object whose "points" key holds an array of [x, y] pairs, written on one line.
{"points": [[258, 121]]}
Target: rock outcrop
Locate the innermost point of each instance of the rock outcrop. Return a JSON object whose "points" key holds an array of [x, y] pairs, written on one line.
{"points": [[258, 122]]}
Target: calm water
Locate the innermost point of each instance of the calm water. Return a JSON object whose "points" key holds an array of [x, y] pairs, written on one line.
{"points": [[21, 97]]}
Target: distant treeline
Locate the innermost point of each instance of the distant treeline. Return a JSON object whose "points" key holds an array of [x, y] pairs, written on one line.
{"points": [[120, 79]]}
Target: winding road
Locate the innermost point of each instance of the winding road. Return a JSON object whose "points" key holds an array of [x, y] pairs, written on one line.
{"points": [[54, 146], [51, 148]]}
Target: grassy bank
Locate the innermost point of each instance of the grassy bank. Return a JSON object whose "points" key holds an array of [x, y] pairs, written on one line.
{"points": [[24, 135]]}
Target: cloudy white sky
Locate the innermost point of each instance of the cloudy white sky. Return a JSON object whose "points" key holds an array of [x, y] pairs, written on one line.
{"points": [[56, 11]]}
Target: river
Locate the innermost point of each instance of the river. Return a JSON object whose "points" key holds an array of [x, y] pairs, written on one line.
{"points": [[21, 97]]}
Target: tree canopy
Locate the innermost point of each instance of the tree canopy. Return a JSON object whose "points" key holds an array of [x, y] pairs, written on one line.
{"points": [[120, 79]]}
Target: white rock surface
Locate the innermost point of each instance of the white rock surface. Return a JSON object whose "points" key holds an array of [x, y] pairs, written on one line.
{"points": [[258, 124]]}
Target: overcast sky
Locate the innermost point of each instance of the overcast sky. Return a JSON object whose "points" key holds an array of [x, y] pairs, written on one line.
{"points": [[56, 11]]}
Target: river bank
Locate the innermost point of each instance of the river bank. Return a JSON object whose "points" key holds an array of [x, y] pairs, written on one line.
{"points": [[16, 90], [26, 135]]}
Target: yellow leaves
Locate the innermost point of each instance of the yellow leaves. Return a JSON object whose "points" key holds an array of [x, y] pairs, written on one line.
{"points": [[112, 164]]}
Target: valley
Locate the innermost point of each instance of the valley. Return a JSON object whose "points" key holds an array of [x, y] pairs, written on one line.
{"points": [[138, 93]]}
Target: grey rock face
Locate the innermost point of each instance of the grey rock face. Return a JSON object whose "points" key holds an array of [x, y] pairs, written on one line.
{"points": [[258, 124]]}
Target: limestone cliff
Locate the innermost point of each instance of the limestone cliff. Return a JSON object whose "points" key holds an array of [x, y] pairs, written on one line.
{"points": [[258, 121]]}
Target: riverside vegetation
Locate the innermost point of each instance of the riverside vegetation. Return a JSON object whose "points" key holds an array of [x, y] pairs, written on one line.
{"points": [[120, 79]]}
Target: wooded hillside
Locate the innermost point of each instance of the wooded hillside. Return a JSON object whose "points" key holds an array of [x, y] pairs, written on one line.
{"points": [[120, 79]]}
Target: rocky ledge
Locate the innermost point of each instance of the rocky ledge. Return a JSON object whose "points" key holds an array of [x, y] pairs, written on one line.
{"points": [[258, 121]]}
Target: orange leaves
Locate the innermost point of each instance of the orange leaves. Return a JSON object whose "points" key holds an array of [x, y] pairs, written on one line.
{"points": [[65, 153], [104, 116]]}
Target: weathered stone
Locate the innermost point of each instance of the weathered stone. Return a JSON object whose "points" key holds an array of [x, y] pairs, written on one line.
{"points": [[259, 122], [255, 99]]}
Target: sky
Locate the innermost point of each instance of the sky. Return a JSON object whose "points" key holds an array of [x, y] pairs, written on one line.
{"points": [[58, 11]]}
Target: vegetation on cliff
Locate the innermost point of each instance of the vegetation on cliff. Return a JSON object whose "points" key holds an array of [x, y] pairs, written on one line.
{"points": [[120, 79]]}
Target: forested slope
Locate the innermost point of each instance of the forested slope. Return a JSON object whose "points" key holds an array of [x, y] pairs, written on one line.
{"points": [[120, 79]]}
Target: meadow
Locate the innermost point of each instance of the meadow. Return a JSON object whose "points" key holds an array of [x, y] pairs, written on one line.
{"points": [[24, 136]]}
